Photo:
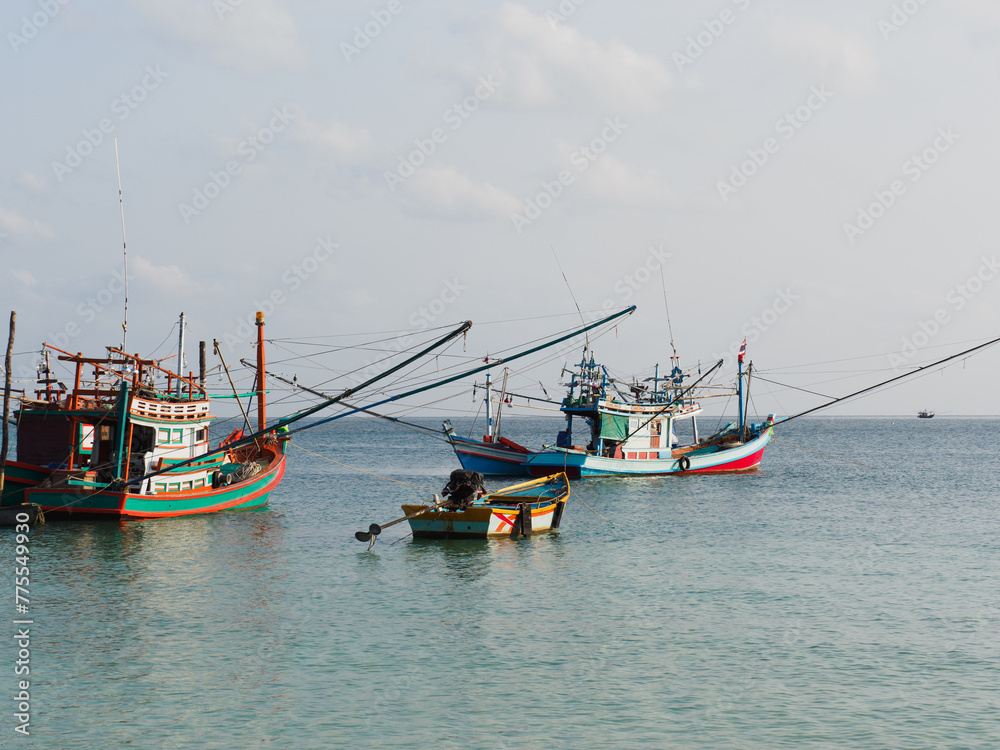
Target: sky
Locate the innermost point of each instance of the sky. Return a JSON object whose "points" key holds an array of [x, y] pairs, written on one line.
{"points": [[818, 178]]}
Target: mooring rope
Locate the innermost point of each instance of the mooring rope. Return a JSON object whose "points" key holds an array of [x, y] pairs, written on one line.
{"points": [[589, 508], [362, 471]]}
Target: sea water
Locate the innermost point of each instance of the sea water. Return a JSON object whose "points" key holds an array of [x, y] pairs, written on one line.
{"points": [[843, 596]]}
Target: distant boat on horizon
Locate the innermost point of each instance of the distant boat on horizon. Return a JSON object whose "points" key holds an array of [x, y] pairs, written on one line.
{"points": [[925, 414]]}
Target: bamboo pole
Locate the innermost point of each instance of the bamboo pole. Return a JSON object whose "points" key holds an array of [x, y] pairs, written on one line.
{"points": [[6, 399], [218, 353]]}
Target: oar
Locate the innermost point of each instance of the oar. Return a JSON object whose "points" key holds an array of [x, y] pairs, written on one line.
{"points": [[374, 530]]}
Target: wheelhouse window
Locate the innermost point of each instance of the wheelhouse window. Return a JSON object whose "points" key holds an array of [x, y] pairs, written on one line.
{"points": [[170, 436]]}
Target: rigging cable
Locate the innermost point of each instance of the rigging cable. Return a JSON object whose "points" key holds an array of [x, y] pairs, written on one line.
{"points": [[890, 380]]}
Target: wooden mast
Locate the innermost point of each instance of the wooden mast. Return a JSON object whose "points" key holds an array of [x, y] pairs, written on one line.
{"points": [[261, 398], [488, 438], [6, 398]]}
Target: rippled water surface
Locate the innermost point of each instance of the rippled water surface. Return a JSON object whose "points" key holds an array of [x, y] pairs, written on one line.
{"points": [[816, 603]]}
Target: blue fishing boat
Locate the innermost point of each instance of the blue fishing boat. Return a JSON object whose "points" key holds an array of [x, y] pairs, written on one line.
{"points": [[629, 429]]}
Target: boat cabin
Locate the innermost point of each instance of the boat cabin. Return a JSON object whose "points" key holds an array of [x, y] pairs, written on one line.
{"points": [[117, 422], [636, 426]]}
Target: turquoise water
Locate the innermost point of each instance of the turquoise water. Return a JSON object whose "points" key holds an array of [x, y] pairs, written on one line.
{"points": [[814, 604]]}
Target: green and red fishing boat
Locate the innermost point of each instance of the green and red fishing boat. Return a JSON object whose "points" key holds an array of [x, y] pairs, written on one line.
{"points": [[131, 440]]}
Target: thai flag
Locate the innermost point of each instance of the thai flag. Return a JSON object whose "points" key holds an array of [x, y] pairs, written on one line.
{"points": [[743, 350]]}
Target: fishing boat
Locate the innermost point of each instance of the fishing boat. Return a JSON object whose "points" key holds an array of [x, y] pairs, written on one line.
{"points": [[638, 436], [925, 414], [627, 432], [525, 509], [130, 440], [493, 455]]}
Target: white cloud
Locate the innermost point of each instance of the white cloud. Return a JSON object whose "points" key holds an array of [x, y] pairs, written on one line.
{"points": [[444, 192], [248, 36], [13, 222], [345, 142], [24, 277], [845, 62], [359, 298], [985, 10], [557, 66], [614, 181], [168, 278], [30, 180]]}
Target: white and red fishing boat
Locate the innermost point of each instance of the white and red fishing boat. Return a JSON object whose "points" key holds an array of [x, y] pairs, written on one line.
{"points": [[625, 434]]}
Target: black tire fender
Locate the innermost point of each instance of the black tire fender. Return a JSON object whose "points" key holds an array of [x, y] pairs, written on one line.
{"points": [[684, 463]]}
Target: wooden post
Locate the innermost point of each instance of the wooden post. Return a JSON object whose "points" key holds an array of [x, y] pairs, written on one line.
{"points": [[201, 364], [261, 398], [522, 525], [6, 398], [557, 514]]}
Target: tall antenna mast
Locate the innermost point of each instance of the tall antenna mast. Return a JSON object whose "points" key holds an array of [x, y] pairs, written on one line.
{"points": [[121, 203], [666, 307], [676, 375], [586, 335]]}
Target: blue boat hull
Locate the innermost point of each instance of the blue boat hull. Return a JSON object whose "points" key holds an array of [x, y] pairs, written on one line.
{"points": [[489, 459]]}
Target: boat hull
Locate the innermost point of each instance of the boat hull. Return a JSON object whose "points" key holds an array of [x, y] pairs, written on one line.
{"points": [[497, 515], [19, 477], [478, 522], [577, 465], [489, 459], [20, 515], [246, 495]]}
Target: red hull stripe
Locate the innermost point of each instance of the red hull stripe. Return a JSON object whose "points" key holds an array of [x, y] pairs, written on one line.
{"points": [[741, 464]]}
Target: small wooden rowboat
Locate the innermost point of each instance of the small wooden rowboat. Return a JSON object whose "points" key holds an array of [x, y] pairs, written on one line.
{"points": [[534, 507]]}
